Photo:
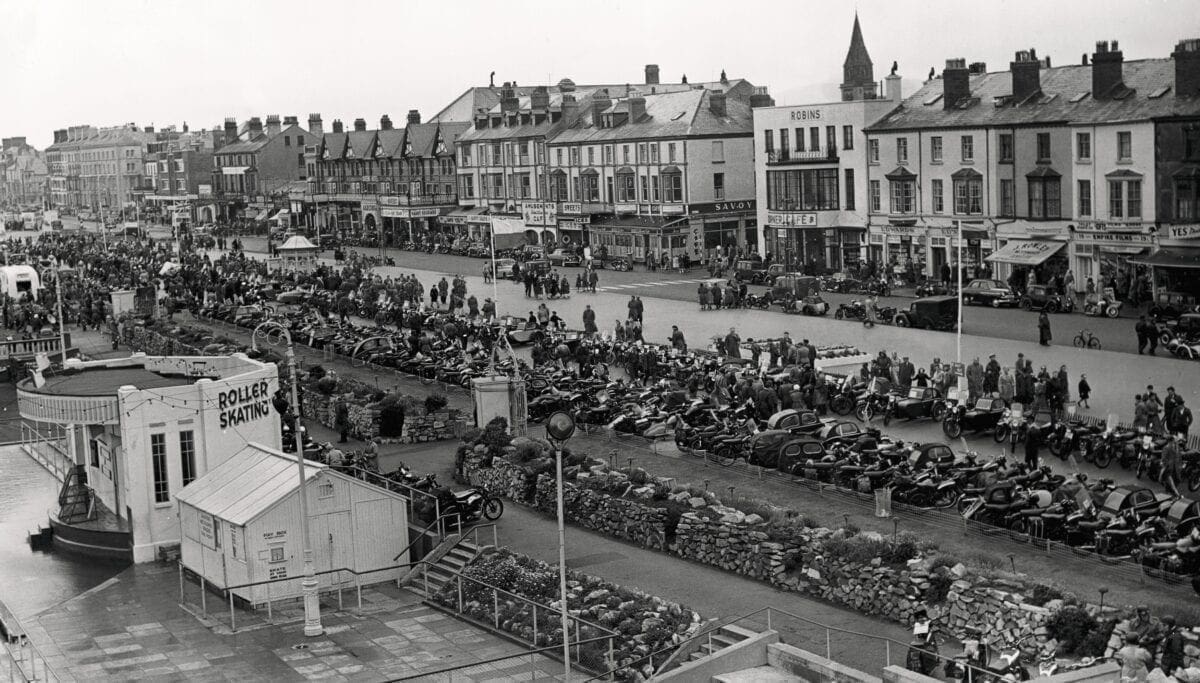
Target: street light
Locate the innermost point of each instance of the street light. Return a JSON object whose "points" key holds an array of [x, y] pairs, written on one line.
{"points": [[559, 428], [308, 586]]}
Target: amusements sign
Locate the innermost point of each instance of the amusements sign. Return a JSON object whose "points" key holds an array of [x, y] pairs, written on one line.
{"points": [[244, 404]]}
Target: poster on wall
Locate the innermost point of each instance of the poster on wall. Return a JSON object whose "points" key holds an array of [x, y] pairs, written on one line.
{"points": [[207, 536]]}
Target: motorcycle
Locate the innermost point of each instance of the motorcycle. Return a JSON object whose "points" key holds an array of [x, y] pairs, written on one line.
{"points": [[470, 504]]}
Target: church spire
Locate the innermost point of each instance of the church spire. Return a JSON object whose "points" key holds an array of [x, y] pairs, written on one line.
{"points": [[858, 72]]}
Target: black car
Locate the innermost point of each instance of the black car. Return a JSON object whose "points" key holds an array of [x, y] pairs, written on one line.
{"points": [[797, 421], [983, 416], [992, 293], [920, 402], [1186, 327], [841, 431], [933, 312], [1045, 298], [930, 454]]}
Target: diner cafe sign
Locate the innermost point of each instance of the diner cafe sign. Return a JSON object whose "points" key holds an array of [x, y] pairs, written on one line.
{"points": [[243, 404], [791, 219]]}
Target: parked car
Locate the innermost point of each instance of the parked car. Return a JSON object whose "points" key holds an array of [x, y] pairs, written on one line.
{"points": [[981, 418], [751, 271], [920, 402], [797, 293], [993, 293], [1044, 298], [564, 258], [504, 268], [933, 312]]}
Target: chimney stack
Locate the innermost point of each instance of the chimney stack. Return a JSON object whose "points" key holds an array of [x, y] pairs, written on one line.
{"points": [[148, 129], [637, 108], [290, 121], [651, 74], [570, 108], [255, 127], [539, 99], [956, 82], [385, 122], [273, 126], [414, 117], [761, 98], [1106, 69], [716, 102], [1187, 67], [1026, 75], [360, 125], [231, 129], [509, 102], [337, 126], [600, 102], [315, 126], [892, 89]]}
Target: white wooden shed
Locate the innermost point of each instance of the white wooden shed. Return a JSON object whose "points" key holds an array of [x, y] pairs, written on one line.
{"points": [[241, 525]]}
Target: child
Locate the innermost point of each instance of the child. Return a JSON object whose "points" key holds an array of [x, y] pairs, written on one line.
{"points": [[1085, 390]]}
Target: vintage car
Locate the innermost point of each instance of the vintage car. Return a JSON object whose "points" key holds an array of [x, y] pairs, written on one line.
{"points": [[774, 447], [504, 268], [993, 293], [931, 454], [1044, 298], [796, 293], [798, 451], [981, 417], [933, 312], [751, 271], [843, 432], [537, 266], [564, 258], [934, 288], [295, 296], [796, 421], [920, 402], [519, 331], [1184, 328]]}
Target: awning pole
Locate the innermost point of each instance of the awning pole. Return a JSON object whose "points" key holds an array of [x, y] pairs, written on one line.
{"points": [[958, 327]]}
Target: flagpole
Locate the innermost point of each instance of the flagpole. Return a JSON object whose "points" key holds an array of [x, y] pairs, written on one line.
{"points": [[958, 327]]}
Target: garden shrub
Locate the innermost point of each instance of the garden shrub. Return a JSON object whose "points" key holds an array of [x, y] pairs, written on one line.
{"points": [[1071, 626], [862, 549], [326, 385], [1043, 594], [939, 586], [435, 402]]}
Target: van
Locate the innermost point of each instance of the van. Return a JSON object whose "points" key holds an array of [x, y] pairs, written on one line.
{"points": [[16, 281]]}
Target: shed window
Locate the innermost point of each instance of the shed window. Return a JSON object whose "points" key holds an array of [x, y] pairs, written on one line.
{"points": [[277, 553]]}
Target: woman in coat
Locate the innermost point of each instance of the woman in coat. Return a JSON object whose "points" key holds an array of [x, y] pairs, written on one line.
{"points": [[1008, 386], [1043, 329]]}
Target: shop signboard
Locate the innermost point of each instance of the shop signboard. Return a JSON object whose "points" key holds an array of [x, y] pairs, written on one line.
{"points": [[539, 213], [570, 208], [424, 212], [204, 190], [450, 219], [1123, 238], [390, 200], [1112, 226], [625, 208], [672, 209], [1184, 232], [791, 219], [894, 229], [390, 212], [740, 206]]}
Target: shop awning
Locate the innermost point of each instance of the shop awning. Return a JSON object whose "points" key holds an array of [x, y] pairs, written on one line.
{"points": [[1127, 249], [262, 215], [1025, 252], [1167, 257]]}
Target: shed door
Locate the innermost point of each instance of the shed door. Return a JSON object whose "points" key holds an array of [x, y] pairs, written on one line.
{"points": [[378, 535], [331, 539]]}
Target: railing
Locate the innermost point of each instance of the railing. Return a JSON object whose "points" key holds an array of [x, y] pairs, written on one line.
{"points": [[783, 156], [542, 663], [482, 603], [420, 536], [797, 631], [45, 448], [413, 494], [31, 347], [26, 663]]}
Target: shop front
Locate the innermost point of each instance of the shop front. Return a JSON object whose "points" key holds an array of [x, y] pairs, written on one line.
{"points": [[814, 241], [731, 225], [637, 237], [1028, 261], [1105, 257], [942, 248], [1175, 266]]}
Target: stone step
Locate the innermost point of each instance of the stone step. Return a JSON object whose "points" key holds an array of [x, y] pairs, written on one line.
{"points": [[758, 674], [739, 632]]}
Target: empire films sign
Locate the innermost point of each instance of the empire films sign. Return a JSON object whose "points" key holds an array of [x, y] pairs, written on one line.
{"points": [[1132, 238], [244, 404]]}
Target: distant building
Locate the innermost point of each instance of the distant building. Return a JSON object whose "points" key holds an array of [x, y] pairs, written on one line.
{"points": [[179, 176], [97, 169], [23, 174], [392, 183], [256, 167]]}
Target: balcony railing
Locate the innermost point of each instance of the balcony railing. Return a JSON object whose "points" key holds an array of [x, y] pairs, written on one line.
{"points": [[783, 156]]}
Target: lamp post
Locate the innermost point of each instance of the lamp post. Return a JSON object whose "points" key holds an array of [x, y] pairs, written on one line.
{"points": [[559, 428], [312, 603], [59, 271]]}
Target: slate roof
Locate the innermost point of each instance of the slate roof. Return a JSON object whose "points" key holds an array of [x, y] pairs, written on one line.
{"points": [[391, 141], [335, 144], [1060, 85], [672, 115], [362, 142], [246, 146]]}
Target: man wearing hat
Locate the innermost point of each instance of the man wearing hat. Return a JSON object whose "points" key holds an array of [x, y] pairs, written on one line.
{"points": [[1172, 467], [991, 376], [1135, 659]]}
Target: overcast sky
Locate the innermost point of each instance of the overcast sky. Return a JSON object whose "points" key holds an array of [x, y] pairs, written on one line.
{"points": [[164, 62]]}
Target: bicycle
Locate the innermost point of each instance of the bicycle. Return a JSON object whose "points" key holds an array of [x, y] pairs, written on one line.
{"points": [[1086, 340]]}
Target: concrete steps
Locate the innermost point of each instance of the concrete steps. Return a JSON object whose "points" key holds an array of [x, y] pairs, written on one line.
{"points": [[727, 635], [444, 570]]}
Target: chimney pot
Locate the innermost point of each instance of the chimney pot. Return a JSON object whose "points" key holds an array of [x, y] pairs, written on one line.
{"points": [[414, 116], [337, 126], [761, 98], [1187, 67], [1026, 75], [651, 74], [385, 122], [360, 125], [315, 127], [1106, 69]]}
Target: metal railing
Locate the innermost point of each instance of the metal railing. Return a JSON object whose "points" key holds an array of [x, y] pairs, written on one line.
{"points": [[542, 663], [797, 631], [26, 663], [422, 533], [493, 606], [47, 448]]}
